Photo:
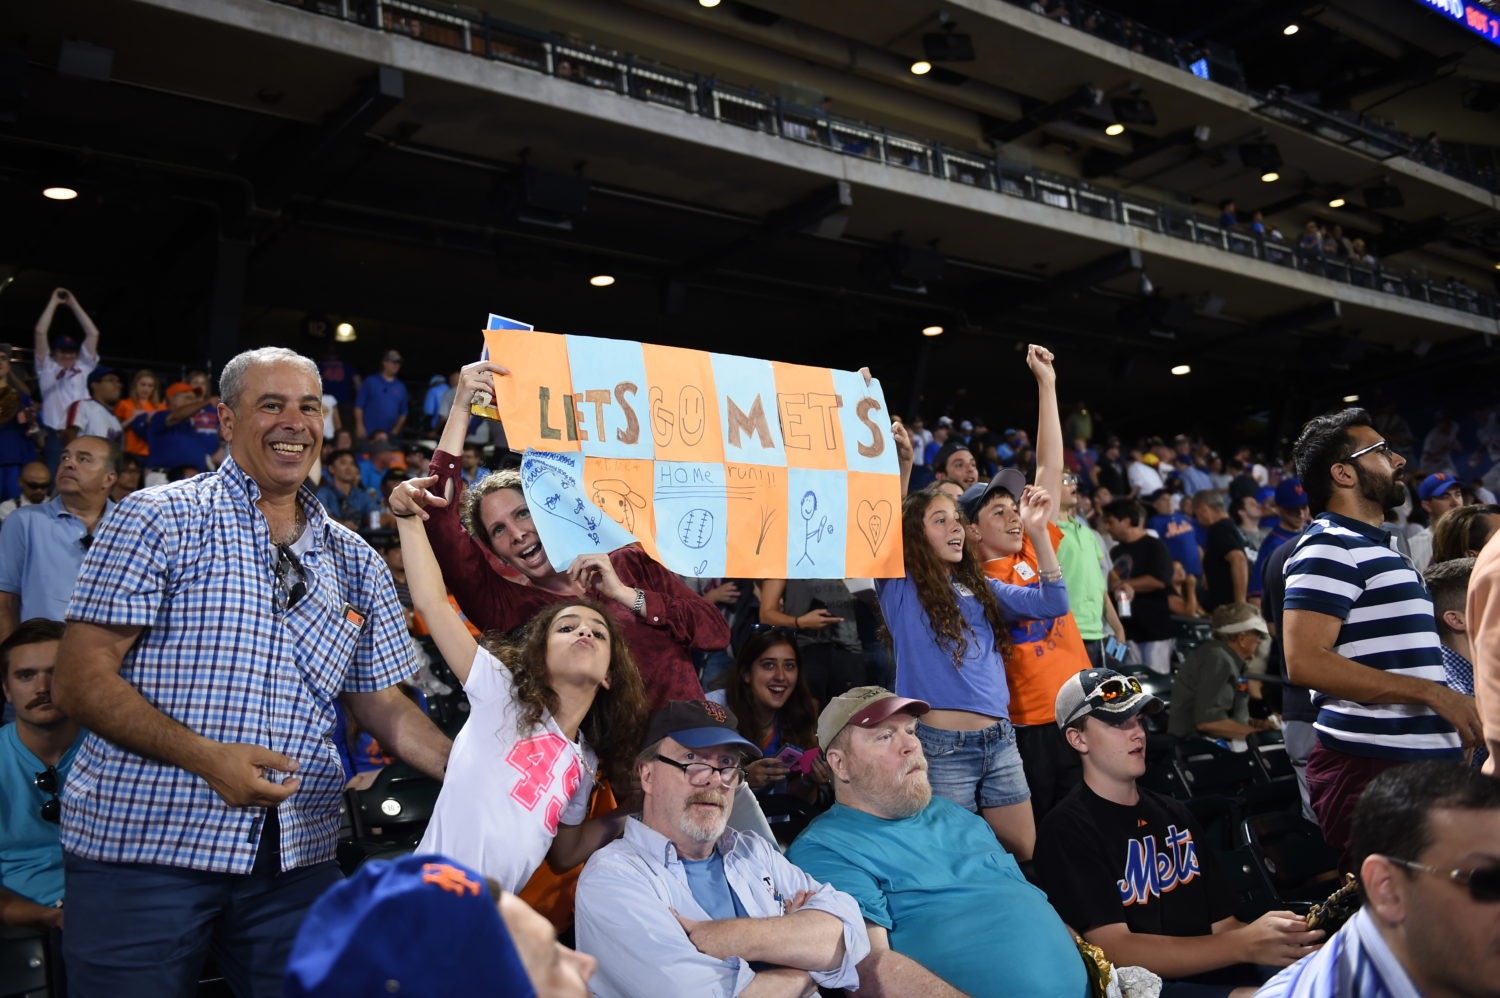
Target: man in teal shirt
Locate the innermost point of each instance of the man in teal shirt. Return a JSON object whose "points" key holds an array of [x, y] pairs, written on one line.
{"points": [[35, 754], [931, 880]]}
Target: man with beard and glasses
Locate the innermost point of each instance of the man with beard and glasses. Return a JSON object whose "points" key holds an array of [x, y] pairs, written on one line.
{"points": [[36, 753], [683, 905], [1358, 626], [933, 883]]}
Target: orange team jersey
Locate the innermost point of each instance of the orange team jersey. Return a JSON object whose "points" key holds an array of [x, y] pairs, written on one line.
{"points": [[1043, 654], [125, 411]]}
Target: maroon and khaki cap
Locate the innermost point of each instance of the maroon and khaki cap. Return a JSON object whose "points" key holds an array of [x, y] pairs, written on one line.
{"points": [[863, 706]]}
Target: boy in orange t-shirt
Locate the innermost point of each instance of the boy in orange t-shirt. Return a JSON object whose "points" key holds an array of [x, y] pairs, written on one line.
{"points": [[1044, 654]]}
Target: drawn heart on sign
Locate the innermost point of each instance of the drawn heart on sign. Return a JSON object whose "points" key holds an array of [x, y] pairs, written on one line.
{"points": [[874, 521], [700, 568]]}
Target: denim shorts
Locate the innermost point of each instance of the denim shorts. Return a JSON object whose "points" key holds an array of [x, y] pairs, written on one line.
{"points": [[975, 769]]}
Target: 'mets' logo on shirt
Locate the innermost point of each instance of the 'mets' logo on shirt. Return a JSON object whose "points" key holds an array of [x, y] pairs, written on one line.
{"points": [[1152, 870]]}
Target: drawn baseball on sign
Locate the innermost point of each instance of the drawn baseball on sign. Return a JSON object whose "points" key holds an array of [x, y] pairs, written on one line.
{"points": [[618, 500], [874, 521], [696, 528]]}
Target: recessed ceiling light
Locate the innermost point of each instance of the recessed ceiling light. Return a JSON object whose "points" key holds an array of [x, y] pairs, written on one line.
{"points": [[344, 333], [59, 193], [708, 3], [932, 331], [1289, 30], [1182, 369], [1114, 129], [601, 280], [1351, 398], [1270, 176], [921, 67], [1336, 203]]}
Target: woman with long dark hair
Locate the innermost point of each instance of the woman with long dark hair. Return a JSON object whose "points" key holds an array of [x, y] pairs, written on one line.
{"points": [[549, 710], [769, 696]]}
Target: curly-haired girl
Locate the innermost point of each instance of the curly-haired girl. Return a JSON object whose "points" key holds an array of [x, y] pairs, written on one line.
{"points": [[546, 710], [947, 623]]}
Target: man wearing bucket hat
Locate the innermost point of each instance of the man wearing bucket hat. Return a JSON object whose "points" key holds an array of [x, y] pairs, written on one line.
{"points": [[1210, 695], [924, 870], [682, 904], [1125, 867]]}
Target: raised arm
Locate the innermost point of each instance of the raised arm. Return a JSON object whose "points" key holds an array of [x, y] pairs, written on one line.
{"points": [[1049, 438], [90, 331], [904, 453], [425, 580], [476, 377], [40, 349]]}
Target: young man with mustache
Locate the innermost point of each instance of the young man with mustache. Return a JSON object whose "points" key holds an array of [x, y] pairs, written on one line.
{"points": [[1358, 625], [682, 905], [36, 753]]}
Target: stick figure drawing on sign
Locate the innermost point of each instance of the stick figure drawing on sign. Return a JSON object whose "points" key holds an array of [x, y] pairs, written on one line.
{"points": [[618, 500], [809, 509]]}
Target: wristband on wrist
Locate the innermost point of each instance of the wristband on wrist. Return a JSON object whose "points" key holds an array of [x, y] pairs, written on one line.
{"points": [[639, 606]]}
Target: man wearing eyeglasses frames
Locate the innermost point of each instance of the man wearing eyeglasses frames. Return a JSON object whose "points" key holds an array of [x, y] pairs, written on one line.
{"points": [[36, 753], [682, 905], [1426, 839], [1358, 626]]}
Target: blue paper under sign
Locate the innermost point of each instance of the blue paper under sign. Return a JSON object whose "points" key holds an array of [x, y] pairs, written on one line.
{"points": [[566, 521]]}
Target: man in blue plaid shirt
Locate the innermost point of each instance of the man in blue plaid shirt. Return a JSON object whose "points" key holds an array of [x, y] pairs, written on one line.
{"points": [[214, 623]]}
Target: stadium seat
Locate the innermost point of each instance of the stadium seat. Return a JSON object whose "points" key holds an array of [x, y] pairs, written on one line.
{"points": [[1294, 862]]}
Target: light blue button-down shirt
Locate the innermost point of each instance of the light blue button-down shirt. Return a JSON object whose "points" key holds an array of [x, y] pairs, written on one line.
{"points": [[1354, 963], [629, 889], [41, 549]]}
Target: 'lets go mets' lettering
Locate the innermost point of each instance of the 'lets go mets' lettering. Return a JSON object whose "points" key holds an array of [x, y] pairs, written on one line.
{"points": [[1151, 872]]}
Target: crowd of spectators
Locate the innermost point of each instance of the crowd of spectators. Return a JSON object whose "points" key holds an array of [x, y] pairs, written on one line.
{"points": [[937, 754]]}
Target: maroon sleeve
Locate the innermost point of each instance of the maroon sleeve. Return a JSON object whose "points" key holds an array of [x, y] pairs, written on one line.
{"points": [[490, 600], [692, 621]]}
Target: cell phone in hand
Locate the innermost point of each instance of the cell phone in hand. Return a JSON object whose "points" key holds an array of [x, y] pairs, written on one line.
{"points": [[1116, 649], [789, 756]]}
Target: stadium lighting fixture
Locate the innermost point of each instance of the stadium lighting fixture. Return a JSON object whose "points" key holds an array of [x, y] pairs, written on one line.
{"points": [[1336, 203], [1290, 30], [1114, 129], [602, 280], [1182, 369], [1270, 177], [344, 333], [921, 67], [59, 193], [932, 331], [1351, 398], [708, 3]]}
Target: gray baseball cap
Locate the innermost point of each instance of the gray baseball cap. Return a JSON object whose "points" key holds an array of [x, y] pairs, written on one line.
{"points": [[1103, 693]]}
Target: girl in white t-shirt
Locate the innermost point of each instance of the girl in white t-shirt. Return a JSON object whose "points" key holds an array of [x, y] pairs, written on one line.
{"points": [[546, 710]]}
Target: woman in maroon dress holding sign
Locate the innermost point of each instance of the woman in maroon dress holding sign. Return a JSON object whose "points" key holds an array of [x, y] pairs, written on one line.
{"points": [[475, 531]]}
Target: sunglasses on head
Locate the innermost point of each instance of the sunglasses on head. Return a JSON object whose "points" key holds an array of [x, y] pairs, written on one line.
{"points": [[1115, 688], [1483, 883]]}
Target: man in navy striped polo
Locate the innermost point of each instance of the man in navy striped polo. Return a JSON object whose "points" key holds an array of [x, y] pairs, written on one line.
{"points": [[1359, 625]]}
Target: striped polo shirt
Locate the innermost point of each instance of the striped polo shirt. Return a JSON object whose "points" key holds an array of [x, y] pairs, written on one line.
{"points": [[1348, 569]]}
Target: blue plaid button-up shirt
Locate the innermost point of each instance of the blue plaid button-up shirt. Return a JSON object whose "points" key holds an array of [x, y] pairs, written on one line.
{"points": [[193, 564]]}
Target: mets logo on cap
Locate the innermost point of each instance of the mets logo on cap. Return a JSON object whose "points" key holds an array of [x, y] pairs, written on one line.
{"points": [[715, 711]]}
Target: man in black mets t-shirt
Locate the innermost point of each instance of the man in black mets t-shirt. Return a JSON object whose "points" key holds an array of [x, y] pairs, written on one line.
{"points": [[1127, 868]]}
